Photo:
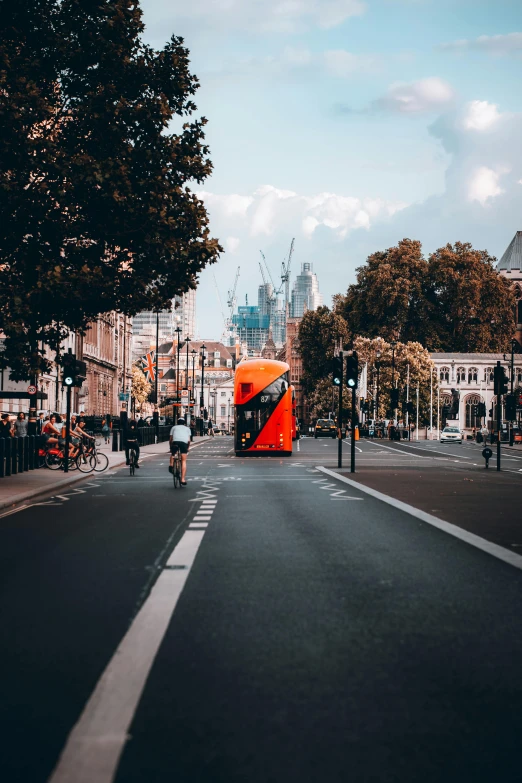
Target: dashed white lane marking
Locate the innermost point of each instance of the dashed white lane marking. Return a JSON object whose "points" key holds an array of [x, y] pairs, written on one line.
{"points": [[95, 744], [470, 538], [201, 519]]}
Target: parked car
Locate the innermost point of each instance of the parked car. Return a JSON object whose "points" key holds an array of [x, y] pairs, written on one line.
{"points": [[451, 435], [325, 428]]}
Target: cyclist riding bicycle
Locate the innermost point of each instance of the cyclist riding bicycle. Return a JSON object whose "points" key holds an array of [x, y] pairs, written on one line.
{"points": [[180, 439], [132, 440]]}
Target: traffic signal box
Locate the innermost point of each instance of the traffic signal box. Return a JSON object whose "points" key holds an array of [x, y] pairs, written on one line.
{"points": [[352, 370], [500, 381], [337, 370], [511, 407], [394, 398], [74, 371]]}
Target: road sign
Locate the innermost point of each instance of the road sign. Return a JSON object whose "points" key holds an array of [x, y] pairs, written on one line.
{"points": [[185, 396], [123, 396], [31, 390]]}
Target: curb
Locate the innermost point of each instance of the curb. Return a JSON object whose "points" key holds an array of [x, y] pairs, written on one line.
{"points": [[38, 492]]}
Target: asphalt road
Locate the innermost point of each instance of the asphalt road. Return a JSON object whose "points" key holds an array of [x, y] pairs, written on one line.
{"points": [[267, 624]]}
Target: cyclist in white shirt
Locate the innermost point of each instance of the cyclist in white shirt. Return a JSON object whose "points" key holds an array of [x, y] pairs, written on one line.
{"points": [[180, 439]]}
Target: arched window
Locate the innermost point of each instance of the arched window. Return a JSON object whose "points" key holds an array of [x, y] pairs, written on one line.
{"points": [[488, 375], [461, 375], [472, 375], [472, 420], [444, 374]]}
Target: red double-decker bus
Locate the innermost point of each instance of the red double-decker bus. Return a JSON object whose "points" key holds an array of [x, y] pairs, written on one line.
{"points": [[263, 408]]}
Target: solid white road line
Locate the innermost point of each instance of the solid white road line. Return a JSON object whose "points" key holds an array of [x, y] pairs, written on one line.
{"points": [[94, 746], [470, 538]]}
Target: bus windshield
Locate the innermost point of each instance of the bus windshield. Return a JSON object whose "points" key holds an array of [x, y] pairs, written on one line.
{"points": [[254, 414]]}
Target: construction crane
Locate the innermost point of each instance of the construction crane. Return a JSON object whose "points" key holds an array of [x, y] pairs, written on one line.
{"points": [[285, 275], [231, 304], [275, 292]]}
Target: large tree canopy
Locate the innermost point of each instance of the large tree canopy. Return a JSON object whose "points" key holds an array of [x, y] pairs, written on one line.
{"points": [[320, 333], [96, 212], [455, 301]]}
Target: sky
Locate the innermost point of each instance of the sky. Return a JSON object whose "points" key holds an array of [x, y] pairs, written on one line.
{"points": [[349, 124]]}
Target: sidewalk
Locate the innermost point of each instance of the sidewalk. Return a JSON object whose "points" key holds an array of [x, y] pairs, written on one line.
{"points": [[33, 484]]}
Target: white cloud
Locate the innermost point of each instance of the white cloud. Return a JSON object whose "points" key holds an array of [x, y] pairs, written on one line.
{"points": [[480, 115], [258, 15], [231, 204], [425, 95], [343, 64], [484, 185], [492, 44], [272, 211], [232, 244]]}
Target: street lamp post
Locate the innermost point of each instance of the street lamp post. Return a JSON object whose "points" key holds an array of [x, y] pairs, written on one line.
{"points": [[393, 346], [378, 366], [178, 331], [187, 341], [194, 354], [202, 398]]}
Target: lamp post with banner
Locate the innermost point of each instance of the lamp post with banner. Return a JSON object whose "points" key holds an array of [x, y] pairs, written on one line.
{"points": [[194, 354], [178, 331], [202, 399]]}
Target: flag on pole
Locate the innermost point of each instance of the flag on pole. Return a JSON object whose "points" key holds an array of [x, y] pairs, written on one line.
{"points": [[148, 363]]}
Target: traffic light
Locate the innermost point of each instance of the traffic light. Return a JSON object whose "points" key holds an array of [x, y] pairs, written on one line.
{"points": [[409, 407], [74, 370], [394, 399], [519, 401], [337, 370], [500, 380], [155, 418], [474, 411], [511, 407], [481, 412], [352, 369]]}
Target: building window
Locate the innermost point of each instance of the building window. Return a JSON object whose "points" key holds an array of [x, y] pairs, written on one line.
{"points": [[163, 387], [472, 375], [488, 375], [471, 420], [223, 394], [461, 375], [229, 362], [223, 411], [216, 355], [217, 363], [444, 374]]}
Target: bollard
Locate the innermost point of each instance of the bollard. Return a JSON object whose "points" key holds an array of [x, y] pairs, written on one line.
{"points": [[14, 456], [21, 455], [31, 446], [2, 457], [8, 462], [487, 454], [115, 440]]}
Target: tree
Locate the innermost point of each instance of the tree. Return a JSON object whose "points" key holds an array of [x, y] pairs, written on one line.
{"points": [[389, 298], [455, 301], [411, 362], [96, 212], [321, 332], [474, 309], [140, 387]]}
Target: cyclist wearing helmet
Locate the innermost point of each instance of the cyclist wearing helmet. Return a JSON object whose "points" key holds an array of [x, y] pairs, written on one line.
{"points": [[180, 439]]}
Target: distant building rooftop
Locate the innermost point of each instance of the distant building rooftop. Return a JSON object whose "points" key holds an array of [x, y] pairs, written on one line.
{"points": [[512, 258]]}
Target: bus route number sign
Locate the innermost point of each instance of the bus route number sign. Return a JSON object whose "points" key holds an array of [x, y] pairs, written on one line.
{"points": [[265, 398]]}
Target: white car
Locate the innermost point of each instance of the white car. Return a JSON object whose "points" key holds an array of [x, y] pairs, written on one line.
{"points": [[451, 435]]}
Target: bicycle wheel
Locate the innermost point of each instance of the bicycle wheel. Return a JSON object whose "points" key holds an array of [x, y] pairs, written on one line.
{"points": [[53, 461], [101, 461], [131, 466], [175, 474], [85, 463]]}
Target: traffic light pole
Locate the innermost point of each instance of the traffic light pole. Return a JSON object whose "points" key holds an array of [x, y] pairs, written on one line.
{"points": [[499, 415], [67, 430], [340, 420], [354, 424]]}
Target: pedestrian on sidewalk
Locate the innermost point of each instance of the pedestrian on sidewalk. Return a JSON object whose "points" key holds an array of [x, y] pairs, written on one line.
{"points": [[106, 431], [40, 423], [20, 426], [5, 427]]}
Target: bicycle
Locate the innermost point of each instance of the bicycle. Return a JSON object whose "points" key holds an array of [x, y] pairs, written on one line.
{"points": [[176, 468], [100, 460], [132, 460]]}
